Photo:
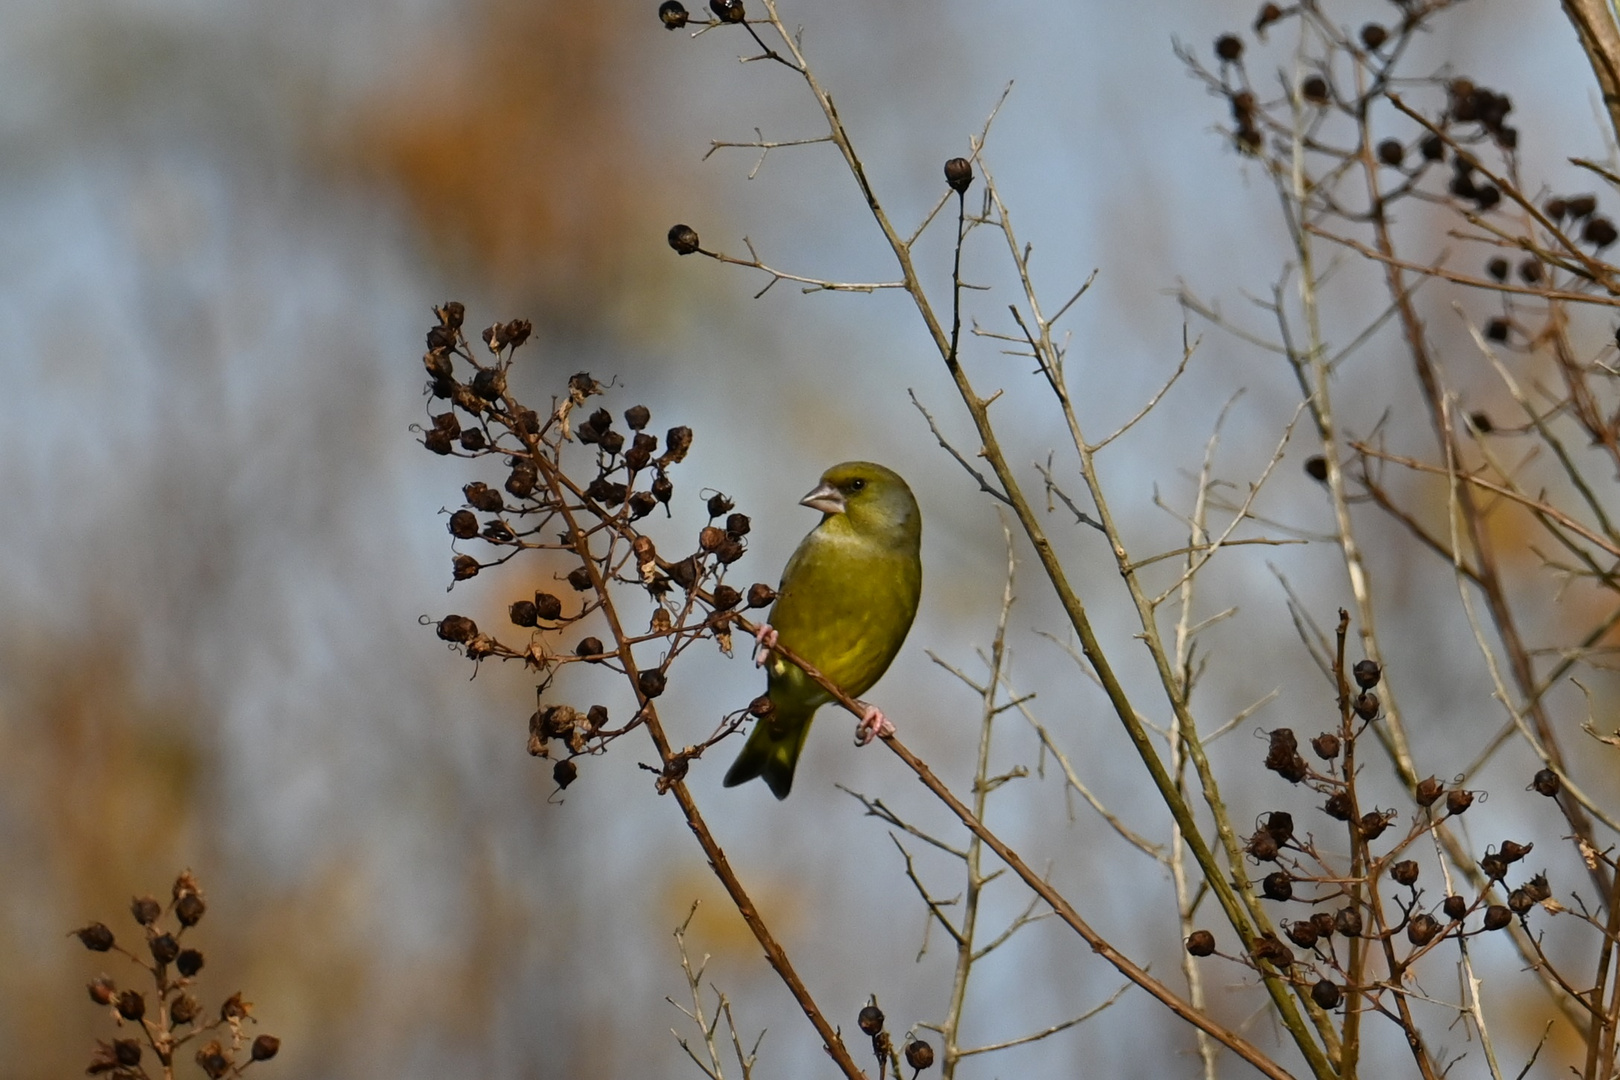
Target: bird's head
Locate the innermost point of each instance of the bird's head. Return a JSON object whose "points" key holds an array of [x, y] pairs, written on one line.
{"points": [[874, 500]]}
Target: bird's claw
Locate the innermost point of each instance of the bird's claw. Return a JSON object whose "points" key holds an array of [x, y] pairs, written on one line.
{"points": [[766, 636], [873, 725]]}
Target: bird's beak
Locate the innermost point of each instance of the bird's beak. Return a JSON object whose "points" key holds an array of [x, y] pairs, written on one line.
{"points": [[826, 498]]}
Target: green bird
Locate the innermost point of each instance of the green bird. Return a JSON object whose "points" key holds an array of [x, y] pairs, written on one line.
{"points": [[846, 601]]}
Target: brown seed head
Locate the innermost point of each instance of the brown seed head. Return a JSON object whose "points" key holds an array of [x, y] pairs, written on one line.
{"points": [[1497, 917], [95, 937], [683, 238], [1455, 908], [673, 13], [959, 175], [919, 1055], [1326, 994], [265, 1047], [1546, 783], [1229, 48], [870, 1020], [146, 909], [1200, 943], [1326, 746]]}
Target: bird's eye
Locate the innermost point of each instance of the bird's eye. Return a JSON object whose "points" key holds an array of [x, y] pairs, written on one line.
{"points": [[856, 485]]}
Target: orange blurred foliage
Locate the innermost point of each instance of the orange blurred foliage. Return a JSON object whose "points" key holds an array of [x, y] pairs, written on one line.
{"points": [[514, 147]]}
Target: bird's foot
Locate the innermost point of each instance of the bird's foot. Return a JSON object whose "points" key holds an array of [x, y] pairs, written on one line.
{"points": [[873, 725], [766, 636]]}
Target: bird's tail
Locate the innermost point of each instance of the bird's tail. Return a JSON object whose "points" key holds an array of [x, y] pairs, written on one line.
{"points": [[772, 752]]}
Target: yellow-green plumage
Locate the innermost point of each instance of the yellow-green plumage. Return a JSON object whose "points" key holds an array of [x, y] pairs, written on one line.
{"points": [[846, 601]]}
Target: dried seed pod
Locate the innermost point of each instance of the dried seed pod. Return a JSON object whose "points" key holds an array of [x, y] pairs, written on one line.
{"points": [[607, 492], [1277, 885], [1537, 888], [489, 383], [1372, 824], [1229, 48], [870, 1020], [677, 441], [481, 496], [1373, 36], [662, 489], [612, 443], [473, 440], [1519, 901], [131, 1005], [760, 594], [127, 1052], [738, 525], [565, 772], [146, 909], [959, 175], [463, 525], [1581, 206], [265, 1047], [719, 504], [761, 707], [1315, 90], [517, 332], [591, 646], [729, 551], [1454, 907], [1280, 824], [189, 962], [1391, 153], [1422, 929], [1458, 801], [1429, 791], [919, 1055], [1366, 705], [102, 990], [522, 479], [730, 11], [1530, 270], [1546, 783], [437, 441], [1405, 872], [1599, 232], [1269, 13], [1326, 746], [1338, 806], [1512, 852], [1497, 268], [711, 537], [1367, 673], [1262, 847], [1347, 922], [726, 598], [1274, 952], [1326, 994], [1555, 208], [164, 948], [457, 628], [185, 1010], [1497, 329], [684, 573], [522, 613], [580, 578], [1200, 943], [213, 1061], [651, 682], [1497, 917], [683, 238], [641, 504], [637, 417], [1323, 921], [1433, 148], [547, 607], [1302, 933], [1494, 867], [1487, 196], [1316, 468]]}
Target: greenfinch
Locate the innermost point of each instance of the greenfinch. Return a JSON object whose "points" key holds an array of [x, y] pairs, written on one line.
{"points": [[847, 599]]}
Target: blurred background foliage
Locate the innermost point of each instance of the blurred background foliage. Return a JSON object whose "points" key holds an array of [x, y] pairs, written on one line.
{"points": [[224, 225]]}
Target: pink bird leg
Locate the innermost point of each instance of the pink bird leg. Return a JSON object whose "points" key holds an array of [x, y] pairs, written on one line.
{"points": [[873, 725], [766, 636]]}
